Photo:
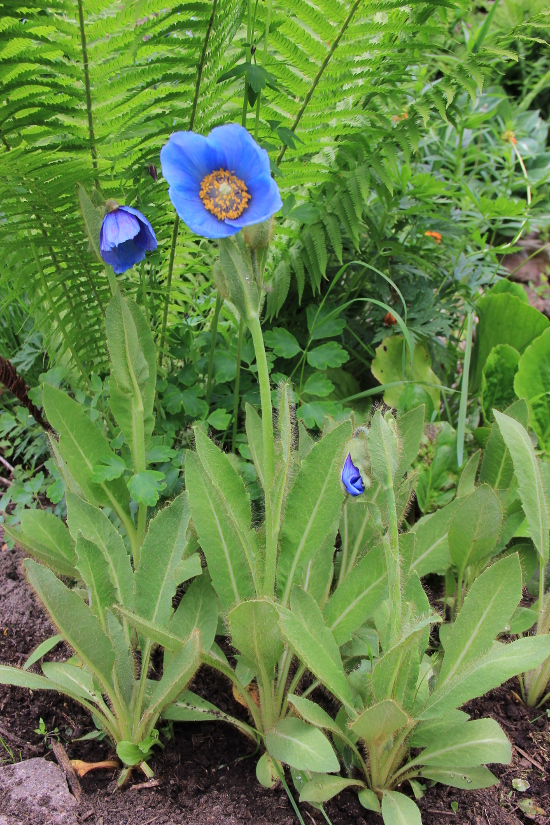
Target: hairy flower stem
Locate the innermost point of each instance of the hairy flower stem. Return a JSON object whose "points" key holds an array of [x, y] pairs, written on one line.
{"points": [[392, 562], [237, 382], [214, 330], [255, 327]]}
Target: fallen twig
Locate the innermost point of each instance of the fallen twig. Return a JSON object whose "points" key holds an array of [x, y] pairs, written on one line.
{"points": [[153, 783], [61, 755], [17, 741], [6, 464], [530, 759]]}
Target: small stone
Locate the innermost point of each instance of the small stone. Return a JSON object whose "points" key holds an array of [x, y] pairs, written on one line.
{"points": [[35, 791]]}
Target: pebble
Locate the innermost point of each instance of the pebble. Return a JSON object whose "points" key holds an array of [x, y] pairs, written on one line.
{"points": [[35, 792]]}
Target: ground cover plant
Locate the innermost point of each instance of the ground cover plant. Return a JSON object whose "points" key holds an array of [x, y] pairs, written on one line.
{"points": [[211, 274]]}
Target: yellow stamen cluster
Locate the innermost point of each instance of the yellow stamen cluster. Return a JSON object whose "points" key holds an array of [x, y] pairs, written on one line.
{"points": [[224, 195]]}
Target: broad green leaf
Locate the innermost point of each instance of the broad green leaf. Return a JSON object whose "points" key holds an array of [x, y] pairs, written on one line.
{"points": [[411, 429], [301, 746], [487, 608], [188, 568], [198, 610], [369, 800], [74, 620], [95, 526], [383, 449], [255, 440], [319, 571], [95, 572], [467, 483], [318, 384], [398, 809], [225, 556], [486, 673], [327, 355], [379, 721], [468, 779], [256, 635], [81, 446], [497, 382], [529, 478], [145, 487], [128, 753], [305, 630], [532, 382], [468, 746], [324, 787], [323, 321], [177, 674], [315, 715], [158, 634], [387, 367], [49, 531], [282, 342], [133, 372], [358, 596], [475, 527], [76, 680], [497, 469], [431, 550], [22, 678], [230, 493], [506, 285], [43, 648], [503, 319], [125, 664], [51, 558], [192, 708], [424, 732], [155, 583], [313, 506], [305, 442], [111, 467], [219, 419], [360, 526]]}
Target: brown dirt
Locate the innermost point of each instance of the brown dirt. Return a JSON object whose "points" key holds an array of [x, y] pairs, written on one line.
{"points": [[206, 774]]}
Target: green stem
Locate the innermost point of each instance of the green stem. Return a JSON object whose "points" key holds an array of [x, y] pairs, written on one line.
{"points": [[464, 392], [392, 562], [87, 88], [168, 285], [269, 454], [319, 74], [237, 382], [214, 330]]}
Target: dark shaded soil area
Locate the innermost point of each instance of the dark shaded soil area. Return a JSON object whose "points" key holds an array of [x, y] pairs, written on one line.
{"points": [[206, 774]]}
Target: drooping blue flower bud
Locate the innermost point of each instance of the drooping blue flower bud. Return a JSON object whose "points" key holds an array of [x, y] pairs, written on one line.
{"points": [[351, 478], [124, 237]]}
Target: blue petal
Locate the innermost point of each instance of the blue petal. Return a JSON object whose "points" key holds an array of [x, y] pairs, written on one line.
{"points": [[241, 153], [191, 210], [351, 478], [146, 237], [117, 227], [265, 200], [187, 158], [123, 256]]}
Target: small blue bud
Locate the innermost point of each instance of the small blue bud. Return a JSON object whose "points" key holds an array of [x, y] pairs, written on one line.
{"points": [[124, 237], [351, 478]]}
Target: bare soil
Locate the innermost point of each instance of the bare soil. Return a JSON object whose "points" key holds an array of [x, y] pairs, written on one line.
{"points": [[206, 774]]}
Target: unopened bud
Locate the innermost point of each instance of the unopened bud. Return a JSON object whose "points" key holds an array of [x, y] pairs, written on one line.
{"points": [[153, 171], [219, 280], [258, 235]]}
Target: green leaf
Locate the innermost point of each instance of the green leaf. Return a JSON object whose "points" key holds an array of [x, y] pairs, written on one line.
{"points": [[497, 469], [46, 555], [431, 550], [389, 368], [75, 680], [318, 385], [133, 373], [188, 569], [497, 382], [155, 583], [81, 446], [128, 753], [324, 787], [43, 648], [369, 800], [468, 746], [219, 419], [111, 467], [398, 809], [314, 413], [383, 449], [489, 604], [125, 664], [198, 610], [255, 440], [305, 630], [49, 531], [468, 779], [424, 732], [323, 321], [192, 708], [467, 483], [358, 596], [503, 319], [315, 715], [379, 721], [282, 342], [177, 674], [21, 678], [75, 621], [145, 487], [95, 572], [475, 527], [301, 746], [256, 634], [313, 507], [327, 355], [532, 382], [411, 430], [492, 670], [96, 527], [156, 633], [529, 478]]}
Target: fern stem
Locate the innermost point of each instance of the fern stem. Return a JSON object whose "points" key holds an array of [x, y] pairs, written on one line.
{"points": [[84, 48], [319, 74], [58, 318], [237, 382], [264, 59], [168, 285], [201, 66]]}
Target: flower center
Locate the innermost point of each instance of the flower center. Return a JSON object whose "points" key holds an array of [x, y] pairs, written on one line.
{"points": [[224, 195]]}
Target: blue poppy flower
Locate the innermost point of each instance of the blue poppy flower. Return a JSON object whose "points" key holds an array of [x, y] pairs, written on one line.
{"points": [[351, 478], [124, 237], [219, 183]]}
